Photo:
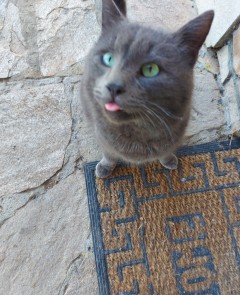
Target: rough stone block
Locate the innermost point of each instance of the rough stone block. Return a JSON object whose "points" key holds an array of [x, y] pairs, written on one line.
{"points": [[66, 32], [227, 15], [223, 58], [207, 117], [12, 44], [204, 5], [44, 247], [236, 51], [168, 14], [42, 38], [35, 130], [207, 60], [233, 106]]}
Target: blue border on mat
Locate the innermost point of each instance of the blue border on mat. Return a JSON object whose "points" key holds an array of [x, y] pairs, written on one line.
{"points": [[94, 208], [98, 246]]}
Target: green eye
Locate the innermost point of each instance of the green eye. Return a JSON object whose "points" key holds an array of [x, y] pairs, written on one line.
{"points": [[150, 70], [108, 59]]}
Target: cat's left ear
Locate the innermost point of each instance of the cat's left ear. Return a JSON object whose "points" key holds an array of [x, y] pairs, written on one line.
{"points": [[112, 12], [192, 36]]}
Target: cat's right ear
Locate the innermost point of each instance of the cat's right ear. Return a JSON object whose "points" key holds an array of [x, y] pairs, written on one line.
{"points": [[191, 36], [113, 11]]}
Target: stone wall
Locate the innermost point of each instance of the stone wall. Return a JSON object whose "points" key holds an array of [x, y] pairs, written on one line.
{"points": [[45, 245], [229, 80], [224, 39]]}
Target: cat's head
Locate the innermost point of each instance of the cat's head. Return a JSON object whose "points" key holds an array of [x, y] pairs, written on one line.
{"points": [[136, 72]]}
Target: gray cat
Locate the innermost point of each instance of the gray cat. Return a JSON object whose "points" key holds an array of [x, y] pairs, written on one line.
{"points": [[137, 86]]}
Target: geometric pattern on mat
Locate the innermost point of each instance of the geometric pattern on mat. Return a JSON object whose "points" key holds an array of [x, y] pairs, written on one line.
{"points": [[157, 231]]}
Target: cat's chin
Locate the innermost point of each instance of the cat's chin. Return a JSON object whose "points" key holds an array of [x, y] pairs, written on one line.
{"points": [[119, 116]]}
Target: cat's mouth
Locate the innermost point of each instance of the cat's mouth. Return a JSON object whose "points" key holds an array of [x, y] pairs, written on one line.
{"points": [[112, 106], [116, 113]]}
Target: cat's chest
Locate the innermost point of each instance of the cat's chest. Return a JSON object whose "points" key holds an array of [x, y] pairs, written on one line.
{"points": [[127, 133], [131, 142]]}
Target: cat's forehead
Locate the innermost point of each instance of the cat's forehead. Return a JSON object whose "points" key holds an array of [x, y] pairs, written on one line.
{"points": [[133, 40]]}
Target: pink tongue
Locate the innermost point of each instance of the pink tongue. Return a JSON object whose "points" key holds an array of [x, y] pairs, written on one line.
{"points": [[112, 107]]}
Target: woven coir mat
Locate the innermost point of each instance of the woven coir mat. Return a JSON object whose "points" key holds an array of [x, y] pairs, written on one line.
{"points": [[169, 232]]}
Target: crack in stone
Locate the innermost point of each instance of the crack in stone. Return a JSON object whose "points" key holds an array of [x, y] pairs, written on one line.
{"points": [[41, 190], [63, 8], [15, 33], [65, 283], [233, 73], [17, 209], [71, 155], [27, 15], [70, 159]]}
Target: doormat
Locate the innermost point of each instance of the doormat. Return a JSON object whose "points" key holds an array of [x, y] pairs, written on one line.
{"points": [[165, 232]]}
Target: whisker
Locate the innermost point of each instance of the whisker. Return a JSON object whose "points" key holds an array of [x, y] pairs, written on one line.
{"points": [[163, 123], [166, 112], [138, 83], [163, 110], [149, 119], [165, 129], [148, 113]]}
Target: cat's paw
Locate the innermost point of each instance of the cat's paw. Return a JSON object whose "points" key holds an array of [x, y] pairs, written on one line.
{"points": [[103, 171], [170, 163]]}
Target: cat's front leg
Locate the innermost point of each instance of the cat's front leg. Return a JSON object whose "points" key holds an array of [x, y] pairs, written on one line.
{"points": [[170, 162], [106, 166]]}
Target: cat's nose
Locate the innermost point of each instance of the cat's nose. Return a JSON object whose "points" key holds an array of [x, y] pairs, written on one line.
{"points": [[115, 89]]}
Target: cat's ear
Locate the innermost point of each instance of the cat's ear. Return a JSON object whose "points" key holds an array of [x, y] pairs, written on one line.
{"points": [[192, 36], [112, 12]]}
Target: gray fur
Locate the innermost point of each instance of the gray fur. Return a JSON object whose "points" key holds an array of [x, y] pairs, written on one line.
{"points": [[155, 111]]}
